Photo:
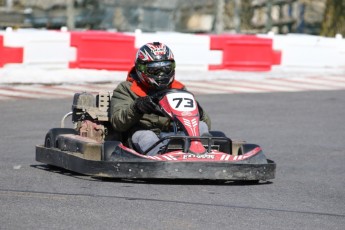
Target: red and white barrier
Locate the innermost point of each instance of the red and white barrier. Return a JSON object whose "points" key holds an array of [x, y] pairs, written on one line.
{"points": [[45, 49], [312, 52], [29, 49], [103, 50], [245, 52], [116, 51]]}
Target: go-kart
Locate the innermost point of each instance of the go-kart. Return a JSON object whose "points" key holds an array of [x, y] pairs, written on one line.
{"points": [[93, 148]]}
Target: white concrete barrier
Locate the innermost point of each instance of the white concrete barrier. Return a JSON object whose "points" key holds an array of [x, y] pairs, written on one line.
{"points": [[44, 49], [318, 53]]}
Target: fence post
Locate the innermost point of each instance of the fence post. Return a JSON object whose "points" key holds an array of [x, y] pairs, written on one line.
{"points": [[268, 25], [237, 17], [219, 16], [70, 14]]}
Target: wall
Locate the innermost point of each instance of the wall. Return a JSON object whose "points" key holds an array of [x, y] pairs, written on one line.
{"points": [[111, 51]]}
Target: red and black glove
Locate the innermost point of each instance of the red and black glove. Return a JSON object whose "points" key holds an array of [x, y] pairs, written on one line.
{"points": [[144, 105]]}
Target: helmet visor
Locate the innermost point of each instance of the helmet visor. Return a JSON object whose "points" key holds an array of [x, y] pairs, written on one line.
{"points": [[160, 68]]}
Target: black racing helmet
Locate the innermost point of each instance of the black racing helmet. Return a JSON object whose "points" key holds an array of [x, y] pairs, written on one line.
{"points": [[155, 65]]}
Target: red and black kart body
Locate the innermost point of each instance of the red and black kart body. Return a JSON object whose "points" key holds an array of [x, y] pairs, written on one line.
{"points": [[91, 147]]}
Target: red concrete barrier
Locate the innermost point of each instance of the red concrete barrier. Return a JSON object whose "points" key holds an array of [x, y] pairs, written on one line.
{"points": [[245, 52], [9, 54], [103, 50]]}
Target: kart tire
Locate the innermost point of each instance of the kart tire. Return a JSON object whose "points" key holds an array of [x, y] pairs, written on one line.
{"points": [[248, 182], [50, 140], [108, 149], [251, 182], [223, 147], [217, 134]]}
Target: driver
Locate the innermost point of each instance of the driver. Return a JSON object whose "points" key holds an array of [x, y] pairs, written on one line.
{"points": [[133, 111]]}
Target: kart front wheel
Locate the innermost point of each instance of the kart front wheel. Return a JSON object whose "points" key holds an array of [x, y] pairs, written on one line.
{"points": [[50, 140]]}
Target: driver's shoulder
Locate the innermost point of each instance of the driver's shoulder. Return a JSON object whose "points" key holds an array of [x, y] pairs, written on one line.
{"points": [[123, 90], [123, 87], [125, 84]]}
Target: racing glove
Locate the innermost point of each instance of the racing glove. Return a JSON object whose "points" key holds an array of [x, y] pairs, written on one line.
{"points": [[144, 105]]}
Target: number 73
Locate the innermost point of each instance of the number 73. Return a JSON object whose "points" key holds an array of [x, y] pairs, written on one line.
{"points": [[186, 102]]}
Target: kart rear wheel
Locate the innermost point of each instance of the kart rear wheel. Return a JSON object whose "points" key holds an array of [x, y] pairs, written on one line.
{"points": [[108, 149], [223, 146], [217, 134], [50, 140]]}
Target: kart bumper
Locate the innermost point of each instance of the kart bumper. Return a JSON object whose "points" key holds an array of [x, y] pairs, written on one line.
{"points": [[156, 169]]}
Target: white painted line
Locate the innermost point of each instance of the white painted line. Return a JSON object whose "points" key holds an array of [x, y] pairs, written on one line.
{"points": [[225, 89], [45, 89], [260, 85], [304, 84], [4, 98], [325, 82], [10, 92], [198, 90]]}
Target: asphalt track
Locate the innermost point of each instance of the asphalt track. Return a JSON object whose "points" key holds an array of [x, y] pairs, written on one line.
{"points": [[303, 132]]}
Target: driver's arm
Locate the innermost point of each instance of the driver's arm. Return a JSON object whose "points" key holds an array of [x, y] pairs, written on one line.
{"points": [[122, 114], [204, 116]]}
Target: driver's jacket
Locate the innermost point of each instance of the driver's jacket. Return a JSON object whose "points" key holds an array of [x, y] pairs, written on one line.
{"points": [[125, 119]]}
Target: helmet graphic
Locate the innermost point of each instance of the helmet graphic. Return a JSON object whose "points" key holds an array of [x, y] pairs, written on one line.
{"points": [[155, 65]]}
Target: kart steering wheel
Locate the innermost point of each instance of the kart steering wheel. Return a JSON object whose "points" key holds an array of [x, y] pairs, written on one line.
{"points": [[157, 96]]}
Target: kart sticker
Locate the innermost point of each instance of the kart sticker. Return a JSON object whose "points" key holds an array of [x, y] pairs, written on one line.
{"points": [[198, 156], [182, 102]]}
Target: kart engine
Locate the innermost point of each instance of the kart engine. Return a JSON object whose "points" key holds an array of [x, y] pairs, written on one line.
{"points": [[90, 114]]}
